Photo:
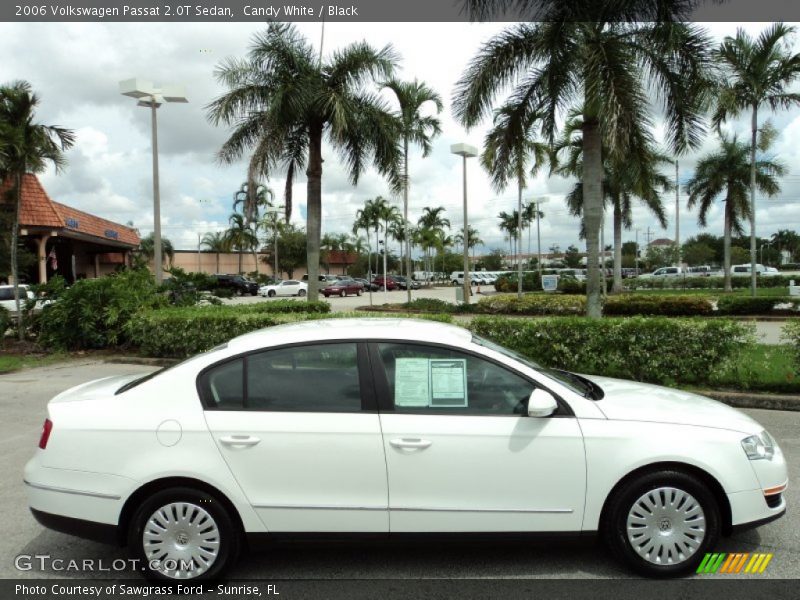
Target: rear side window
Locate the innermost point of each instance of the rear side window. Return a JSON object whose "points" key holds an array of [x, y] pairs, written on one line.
{"points": [[313, 378]]}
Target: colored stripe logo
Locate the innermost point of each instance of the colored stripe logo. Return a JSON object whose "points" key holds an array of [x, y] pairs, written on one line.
{"points": [[736, 563]]}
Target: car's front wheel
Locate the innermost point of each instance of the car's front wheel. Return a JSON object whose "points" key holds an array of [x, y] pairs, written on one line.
{"points": [[663, 523], [271, 293], [183, 534], [301, 293]]}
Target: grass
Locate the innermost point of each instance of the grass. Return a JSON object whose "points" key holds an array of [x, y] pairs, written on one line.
{"points": [[759, 367], [15, 362]]}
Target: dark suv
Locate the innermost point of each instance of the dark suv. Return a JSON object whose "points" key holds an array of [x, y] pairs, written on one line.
{"points": [[238, 284]]}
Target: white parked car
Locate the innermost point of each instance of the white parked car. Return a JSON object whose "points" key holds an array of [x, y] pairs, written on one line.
{"points": [[384, 426], [7, 297], [665, 272], [290, 287], [761, 270]]}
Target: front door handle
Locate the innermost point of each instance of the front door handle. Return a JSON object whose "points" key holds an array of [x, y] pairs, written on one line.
{"points": [[410, 443], [239, 440]]}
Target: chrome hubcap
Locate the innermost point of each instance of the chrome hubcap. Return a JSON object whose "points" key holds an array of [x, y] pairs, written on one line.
{"points": [[666, 526], [181, 540]]}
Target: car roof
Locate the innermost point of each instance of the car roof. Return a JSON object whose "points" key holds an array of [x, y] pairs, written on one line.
{"points": [[365, 328]]}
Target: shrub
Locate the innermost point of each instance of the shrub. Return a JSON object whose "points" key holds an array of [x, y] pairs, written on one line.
{"points": [[508, 282], [181, 332], [570, 285], [791, 333], [643, 304], [433, 305], [93, 313], [5, 322], [658, 350], [703, 283], [742, 305], [533, 304], [287, 306]]}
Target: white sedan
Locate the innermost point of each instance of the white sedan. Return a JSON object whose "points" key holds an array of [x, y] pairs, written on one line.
{"points": [[290, 287], [379, 426]]}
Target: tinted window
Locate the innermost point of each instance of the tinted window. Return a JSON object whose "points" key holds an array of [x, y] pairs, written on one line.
{"points": [[318, 378], [222, 386], [433, 379]]}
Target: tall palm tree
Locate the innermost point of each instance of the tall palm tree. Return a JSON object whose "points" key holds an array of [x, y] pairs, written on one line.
{"points": [[25, 147], [216, 242], [240, 236], [414, 128], [284, 100], [473, 239], [530, 214], [252, 197], [727, 171], [623, 180], [387, 215], [147, 249], [604, 58], [509, 150], [509, 222], [756, 73], [786, 239], [429, 224]]}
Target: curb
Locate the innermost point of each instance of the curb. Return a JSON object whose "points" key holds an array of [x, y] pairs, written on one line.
{"points": [[141, 360], [754, 400]]}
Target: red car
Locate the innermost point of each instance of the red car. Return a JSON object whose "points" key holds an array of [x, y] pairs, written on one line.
{"points": [[343, 287], [391, 282]]}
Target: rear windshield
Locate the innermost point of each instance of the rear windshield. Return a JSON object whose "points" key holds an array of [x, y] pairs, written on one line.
{"points": [[140, 380]]}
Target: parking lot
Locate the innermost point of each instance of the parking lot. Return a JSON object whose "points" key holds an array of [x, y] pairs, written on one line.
{"points": [[26, 393]]}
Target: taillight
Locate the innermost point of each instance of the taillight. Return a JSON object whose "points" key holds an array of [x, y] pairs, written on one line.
{"points": [[46, 429]]}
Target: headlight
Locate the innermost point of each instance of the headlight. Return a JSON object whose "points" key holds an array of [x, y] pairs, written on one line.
{"points": [[760, 446]]}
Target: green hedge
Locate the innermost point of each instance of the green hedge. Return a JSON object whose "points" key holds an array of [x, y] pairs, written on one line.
{"points": [[182, 332], [5, 322], [703, 283], [760, 305], [658, 350], [791, 333], [651, 305], [533, 304]]}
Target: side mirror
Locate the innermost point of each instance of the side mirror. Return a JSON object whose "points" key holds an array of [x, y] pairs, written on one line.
{"points": [[541, 403]]}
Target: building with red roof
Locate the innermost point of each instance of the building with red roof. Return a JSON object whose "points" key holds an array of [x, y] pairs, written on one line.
{"points": [[67, 241]]}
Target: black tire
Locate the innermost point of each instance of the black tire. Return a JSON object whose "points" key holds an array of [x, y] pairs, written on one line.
{"points": [[614, 526], [301, 293], [271, 293], [229, 534]]}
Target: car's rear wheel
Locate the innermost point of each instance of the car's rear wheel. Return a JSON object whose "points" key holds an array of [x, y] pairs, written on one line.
{"points": [[181, 534], [301, 293], [271, 293], [343, 293], [663, 523], [358, 292]]}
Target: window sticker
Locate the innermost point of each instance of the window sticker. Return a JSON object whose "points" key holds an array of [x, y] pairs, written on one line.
{"points": [[448, 382], [412, 382]]}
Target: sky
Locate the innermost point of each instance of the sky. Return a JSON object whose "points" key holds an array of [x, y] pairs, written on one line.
{"points": [[75, 69]]}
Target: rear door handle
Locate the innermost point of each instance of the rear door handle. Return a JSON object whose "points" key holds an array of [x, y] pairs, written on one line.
{"points": [[239, 440], [410, 443]]}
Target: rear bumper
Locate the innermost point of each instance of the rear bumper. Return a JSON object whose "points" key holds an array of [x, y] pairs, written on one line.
{"points": [[90, 530]]}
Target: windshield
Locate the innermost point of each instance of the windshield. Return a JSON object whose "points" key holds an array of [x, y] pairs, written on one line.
{"points": [[149, 376], [576, 383]]}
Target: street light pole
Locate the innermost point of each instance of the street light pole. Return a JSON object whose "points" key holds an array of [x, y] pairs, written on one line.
{"points": [[465, 151], [151, 97]]}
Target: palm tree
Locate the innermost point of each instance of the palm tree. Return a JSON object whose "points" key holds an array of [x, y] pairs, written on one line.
{"points": [[411, 96], [283, 100], [622, 182], [147, 249], [240, 236], [509, 149], [786, 239], [529, 215], [387, 215], [473, 237], [509, 222], [25, 147], [727, 171], [443, 242], [429, 224], [252, 196], [604, 58], [756, 73], [216, 242], [329, 243]]}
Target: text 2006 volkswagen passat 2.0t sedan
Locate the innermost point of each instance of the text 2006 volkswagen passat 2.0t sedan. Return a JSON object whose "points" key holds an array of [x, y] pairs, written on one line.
{"points": [[393, 427]]}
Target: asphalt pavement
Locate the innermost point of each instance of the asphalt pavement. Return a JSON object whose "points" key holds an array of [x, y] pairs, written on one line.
{"points": [[23, 399]]}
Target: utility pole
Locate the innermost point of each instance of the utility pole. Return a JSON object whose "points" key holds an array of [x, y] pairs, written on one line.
{"points": [[677, 218]]}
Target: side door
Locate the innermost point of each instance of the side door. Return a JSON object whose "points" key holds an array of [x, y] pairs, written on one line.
{"points": [[288, 288], [461, 452], [298, 428]]}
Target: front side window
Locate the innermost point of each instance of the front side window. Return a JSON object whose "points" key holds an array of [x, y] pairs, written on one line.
{"points": [[430, 379]]}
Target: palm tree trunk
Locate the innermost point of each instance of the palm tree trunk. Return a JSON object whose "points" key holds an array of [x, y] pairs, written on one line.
{"points": [[754, 133], [520, 184], [14, 264], [592, 213], [405, 218], [616, 288], [314, 208], [726, 246]]}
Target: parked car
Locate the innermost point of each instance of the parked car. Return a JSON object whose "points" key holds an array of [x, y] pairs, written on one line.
{"points": [[666, 272], [342, 287], [322, 278], [393, 427], [403, 282], [7, 297], [389, 282], [700, 271], [290, 287], [368, 285], [239, 284], [761, 270], [457, 278]]}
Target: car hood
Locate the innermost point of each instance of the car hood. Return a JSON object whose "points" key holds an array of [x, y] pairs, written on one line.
{"points": [[634, 401], [98, 388]]}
